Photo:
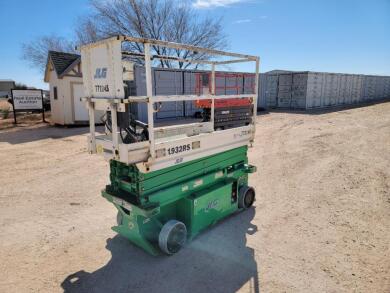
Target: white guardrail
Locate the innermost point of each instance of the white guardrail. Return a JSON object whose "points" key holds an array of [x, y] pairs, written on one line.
{"points": [[103, 85]]}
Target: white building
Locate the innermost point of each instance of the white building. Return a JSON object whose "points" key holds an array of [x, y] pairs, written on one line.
{"points": [[63, 73], [6, 85]]}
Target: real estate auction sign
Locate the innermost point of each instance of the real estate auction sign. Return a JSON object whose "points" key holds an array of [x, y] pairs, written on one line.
{"points": [[27, 100]]}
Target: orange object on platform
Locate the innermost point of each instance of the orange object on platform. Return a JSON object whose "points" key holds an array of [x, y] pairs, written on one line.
{"points": [[222, 103]]}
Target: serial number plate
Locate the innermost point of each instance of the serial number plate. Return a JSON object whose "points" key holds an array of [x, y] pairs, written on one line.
{"points": [[179, 149]]}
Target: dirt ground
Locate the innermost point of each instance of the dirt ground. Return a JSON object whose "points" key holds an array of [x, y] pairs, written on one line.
{"points": [[23, 119], [321, 222]]}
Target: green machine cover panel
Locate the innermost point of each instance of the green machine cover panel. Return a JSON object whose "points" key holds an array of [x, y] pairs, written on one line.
{"points": [[206, 207]]}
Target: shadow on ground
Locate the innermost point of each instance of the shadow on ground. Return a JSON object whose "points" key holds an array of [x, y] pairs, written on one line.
{"points": [[216, 261], [43, 132]]}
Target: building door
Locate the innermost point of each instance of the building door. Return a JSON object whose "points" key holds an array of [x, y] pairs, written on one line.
{"points": [[80, 110]]}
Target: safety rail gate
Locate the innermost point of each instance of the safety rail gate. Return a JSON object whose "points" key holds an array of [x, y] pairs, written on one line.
{"points": [[102, 65]]}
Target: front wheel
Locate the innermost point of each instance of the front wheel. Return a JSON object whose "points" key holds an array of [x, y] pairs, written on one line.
{"points": [[246, 197], [172, 237]]}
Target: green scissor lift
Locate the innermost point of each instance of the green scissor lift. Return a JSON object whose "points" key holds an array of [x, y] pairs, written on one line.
{"points": [[168, 182], [163, 209]]}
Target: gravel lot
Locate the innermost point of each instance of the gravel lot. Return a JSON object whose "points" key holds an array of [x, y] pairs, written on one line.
{"points": [[321, 222]]}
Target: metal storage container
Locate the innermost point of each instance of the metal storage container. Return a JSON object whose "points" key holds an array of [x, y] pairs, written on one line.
{"points": [[333, 89], [284, 89], [168, 81]]}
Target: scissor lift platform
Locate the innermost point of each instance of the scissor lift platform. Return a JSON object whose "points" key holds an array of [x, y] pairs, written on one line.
{"points": [[179, 179]]}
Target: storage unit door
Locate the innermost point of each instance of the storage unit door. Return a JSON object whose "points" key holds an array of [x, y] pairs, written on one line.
{"points": [[327, 90], [335, 89], [299, 89], [271, 90], [190, 89], [233, 84], [358, 91], [220, 84], [348, 97], [249, 83], [262, 100], [284, 99], [313, 95], [80, 110], [343, 90], [284, 90], [314, 89], [169, 83], [387, 89]]}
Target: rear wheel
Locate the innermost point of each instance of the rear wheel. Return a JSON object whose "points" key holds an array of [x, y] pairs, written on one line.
{"points": [[172, 237], [246, 197]]}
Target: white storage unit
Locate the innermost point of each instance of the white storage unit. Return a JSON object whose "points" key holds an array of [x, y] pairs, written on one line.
{"points": [[307, 90], [63, 73], [6, 85]]}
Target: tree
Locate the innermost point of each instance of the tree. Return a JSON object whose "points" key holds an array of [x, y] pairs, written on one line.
{"points": [[166, 20], [20, 86], [35, 52]]}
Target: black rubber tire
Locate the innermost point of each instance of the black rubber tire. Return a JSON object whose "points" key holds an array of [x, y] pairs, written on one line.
{"points": [[246, 197], [172, 237]]}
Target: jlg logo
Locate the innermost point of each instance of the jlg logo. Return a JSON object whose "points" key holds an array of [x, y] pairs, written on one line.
{"points": [[100, 73], [211, 205]]}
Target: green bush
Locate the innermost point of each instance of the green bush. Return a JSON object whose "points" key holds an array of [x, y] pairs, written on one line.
{"points": [[4, 113]]}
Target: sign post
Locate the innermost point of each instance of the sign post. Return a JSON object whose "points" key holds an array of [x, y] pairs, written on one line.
{"points": [[27, 100]]}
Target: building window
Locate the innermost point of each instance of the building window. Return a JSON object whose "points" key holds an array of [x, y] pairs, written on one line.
{"points": [[55, 93]]}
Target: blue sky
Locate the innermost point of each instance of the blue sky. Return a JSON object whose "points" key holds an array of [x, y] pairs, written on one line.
{"points": [[325, 35]]}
